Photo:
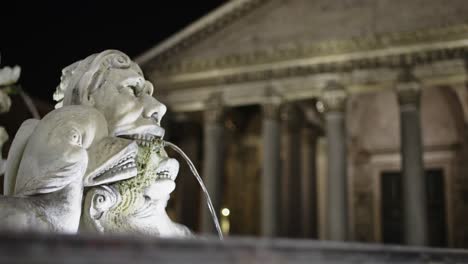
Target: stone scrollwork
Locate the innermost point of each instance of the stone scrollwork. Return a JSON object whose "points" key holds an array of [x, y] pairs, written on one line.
{"points": [[98, 202]]}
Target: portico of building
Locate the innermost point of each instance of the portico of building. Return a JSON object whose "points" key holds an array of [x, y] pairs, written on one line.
{"points": [[356, 139]]}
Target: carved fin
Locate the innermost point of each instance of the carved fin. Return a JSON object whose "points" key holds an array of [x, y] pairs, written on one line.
{"points": [[50, 182], [16, 153]]}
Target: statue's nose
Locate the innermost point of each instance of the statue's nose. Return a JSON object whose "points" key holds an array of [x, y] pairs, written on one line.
{"points": [[154, 109], [155, 117]]}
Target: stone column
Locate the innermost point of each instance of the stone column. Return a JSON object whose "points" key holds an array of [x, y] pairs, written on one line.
{"points": [[291, 172], [309, 196], [414, 183], [334, 100], [213, 162], [271, 170]]}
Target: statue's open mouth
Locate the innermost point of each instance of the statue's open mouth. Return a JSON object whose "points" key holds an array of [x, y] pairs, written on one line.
{"points": [[112, 159], [125, 166], [166, 173]]}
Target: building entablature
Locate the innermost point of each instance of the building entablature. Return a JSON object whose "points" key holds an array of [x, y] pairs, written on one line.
{"points": [[192, 95], [246, 47]]}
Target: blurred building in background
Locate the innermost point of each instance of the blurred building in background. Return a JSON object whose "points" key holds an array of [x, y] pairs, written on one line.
{"points": [[341, 120]]}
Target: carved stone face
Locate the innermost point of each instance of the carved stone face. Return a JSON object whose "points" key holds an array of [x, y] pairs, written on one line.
{"points": [[113, 84], [136, 206], [126, 101], [110, 82]]}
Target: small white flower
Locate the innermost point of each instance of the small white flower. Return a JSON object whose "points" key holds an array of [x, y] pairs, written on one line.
{"points": [[9, 75]]}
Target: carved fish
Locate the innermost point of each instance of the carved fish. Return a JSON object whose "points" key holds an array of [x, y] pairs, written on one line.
{"points": [[50, 162]]}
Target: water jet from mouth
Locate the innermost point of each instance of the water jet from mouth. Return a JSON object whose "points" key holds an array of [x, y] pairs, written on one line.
{"points": [[202, 185]]}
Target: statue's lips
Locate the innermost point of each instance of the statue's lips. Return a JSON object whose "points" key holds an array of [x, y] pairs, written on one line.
{"points": [[167, 169], [147, 130], [166, 174]]}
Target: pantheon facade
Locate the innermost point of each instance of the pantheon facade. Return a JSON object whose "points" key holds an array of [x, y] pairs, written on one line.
{"points": [[327, 119]]}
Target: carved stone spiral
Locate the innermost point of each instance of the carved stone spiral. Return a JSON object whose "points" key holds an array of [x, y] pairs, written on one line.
{"points": [[104, 197]]}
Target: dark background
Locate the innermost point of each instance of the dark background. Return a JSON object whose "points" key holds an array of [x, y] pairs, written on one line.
{"points": [[45, 36]]}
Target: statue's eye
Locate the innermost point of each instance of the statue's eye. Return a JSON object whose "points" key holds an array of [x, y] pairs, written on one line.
{"points": [[132, 89], [135, 89], [134, 85], [75, 138]]}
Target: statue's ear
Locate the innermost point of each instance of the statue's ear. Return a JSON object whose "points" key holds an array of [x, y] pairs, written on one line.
{"points": [[86, 98], [94, 84], [90, 100], [97, 203]]}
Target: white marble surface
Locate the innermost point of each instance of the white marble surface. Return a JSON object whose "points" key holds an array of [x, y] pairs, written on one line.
{"points": [[48, 167], [113, 84]]}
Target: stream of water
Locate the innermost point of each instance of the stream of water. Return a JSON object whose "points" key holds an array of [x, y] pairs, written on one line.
{"points": [[202, 185]]}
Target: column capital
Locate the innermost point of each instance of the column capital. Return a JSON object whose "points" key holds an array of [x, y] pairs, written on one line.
{"points": [[214, 109], [408, 89], [333, 96]]}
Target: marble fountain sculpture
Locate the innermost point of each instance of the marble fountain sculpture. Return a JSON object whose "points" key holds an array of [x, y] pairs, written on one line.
{"points": [[137, 205], [113, 86], [52, 160]]}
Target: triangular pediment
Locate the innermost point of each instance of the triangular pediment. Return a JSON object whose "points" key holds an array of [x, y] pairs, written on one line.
{"points": [[276, 29]]}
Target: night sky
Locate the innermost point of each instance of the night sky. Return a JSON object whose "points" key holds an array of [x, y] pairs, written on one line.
{"points": [[45, 36]]}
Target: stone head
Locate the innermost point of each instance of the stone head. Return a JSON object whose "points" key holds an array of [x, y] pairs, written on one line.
{"points": [[112, 83]]}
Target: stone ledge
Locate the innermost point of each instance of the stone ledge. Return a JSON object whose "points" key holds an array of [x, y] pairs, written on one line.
{"points": [[34, 248]]}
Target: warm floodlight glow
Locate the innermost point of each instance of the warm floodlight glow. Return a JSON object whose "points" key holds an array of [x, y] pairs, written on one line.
{"points": [[225, 212], [320, 106]]}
